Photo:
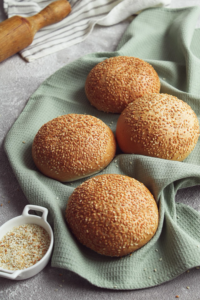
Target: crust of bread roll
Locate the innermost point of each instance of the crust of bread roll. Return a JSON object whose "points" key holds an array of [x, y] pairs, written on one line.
{"points": [[158, 125], [112, 214], [115, 82], [73, 146]]}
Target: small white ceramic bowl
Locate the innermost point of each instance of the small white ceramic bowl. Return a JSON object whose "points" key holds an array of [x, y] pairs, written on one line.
{"points": [[27, 218]]}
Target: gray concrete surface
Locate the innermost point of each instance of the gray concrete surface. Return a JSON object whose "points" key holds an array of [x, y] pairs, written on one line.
{"points": [[18, 80]]}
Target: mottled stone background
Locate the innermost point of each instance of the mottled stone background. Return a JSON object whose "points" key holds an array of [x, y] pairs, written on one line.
{"points": [[18, 80]]}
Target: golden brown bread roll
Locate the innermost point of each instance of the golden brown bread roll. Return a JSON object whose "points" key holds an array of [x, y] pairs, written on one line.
{"points": [[115, 82], [73, 146], [158, 125], [112, 214]]}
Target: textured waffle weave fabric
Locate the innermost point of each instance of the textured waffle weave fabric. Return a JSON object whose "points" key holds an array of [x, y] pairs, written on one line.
{"points": [[168, 40]]}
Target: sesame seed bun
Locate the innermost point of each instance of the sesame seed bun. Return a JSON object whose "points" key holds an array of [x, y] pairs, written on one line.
{"points": [[115, 82], [112, 214], [73, 146], [158, 125]]}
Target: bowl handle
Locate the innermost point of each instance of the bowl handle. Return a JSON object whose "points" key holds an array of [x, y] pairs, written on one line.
{"points": [[10, 274], [36, 208]]}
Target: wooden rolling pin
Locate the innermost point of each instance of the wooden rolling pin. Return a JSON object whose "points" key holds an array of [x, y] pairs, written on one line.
{"points": [[16, 33]]}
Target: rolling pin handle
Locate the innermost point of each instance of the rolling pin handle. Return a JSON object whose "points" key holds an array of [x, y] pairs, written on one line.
{"points": [[53, 13], [16, 33]]}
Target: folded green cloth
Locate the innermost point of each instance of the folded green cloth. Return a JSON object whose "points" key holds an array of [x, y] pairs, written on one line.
{"points": [[167, 39]]}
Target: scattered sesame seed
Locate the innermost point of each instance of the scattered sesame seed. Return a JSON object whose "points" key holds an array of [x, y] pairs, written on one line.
{"points": [[155, 270], [24, 142], [187, 287]]}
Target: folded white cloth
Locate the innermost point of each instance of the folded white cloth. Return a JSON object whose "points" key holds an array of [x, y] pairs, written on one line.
{"points": [[77, 26]]}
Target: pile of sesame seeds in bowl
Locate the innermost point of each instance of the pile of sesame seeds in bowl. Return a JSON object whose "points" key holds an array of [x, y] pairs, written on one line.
{"points": [[23, 246], [26, 244]]}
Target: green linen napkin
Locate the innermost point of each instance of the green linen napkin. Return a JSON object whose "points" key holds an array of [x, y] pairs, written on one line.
{"points": [[167, 39]]}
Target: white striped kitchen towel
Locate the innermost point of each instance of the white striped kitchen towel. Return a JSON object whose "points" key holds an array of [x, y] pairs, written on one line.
{"points": [[77, 26]]}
